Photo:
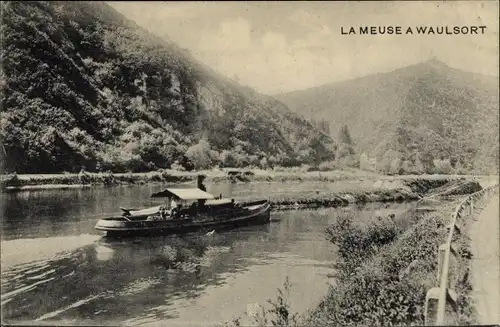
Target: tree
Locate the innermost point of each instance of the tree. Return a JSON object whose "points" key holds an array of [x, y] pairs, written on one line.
{"points": [[427, 161], [263, 163], [367, 163], [418, 166], [407, 167], [199, 154], [320, 150], [324, 126], [345, 150], [227, 159], [442, 166], [395, 166], [390, 163], [345, 136]]}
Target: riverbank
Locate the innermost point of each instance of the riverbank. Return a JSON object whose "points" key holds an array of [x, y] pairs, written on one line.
{"points": [[15, 183], [343, 187], [383, 273], [387, 283], [326, 200], [385, 268]]}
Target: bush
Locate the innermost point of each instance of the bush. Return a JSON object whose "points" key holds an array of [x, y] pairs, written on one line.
{"points": [[306, 168], [11, 180], [227, 159], [264, 164], [372, 300], [108, 178], [200, 154], [381, 287], [129, 178], [280, 309], [442, 166], [357, 243], [367, 163], [278, 315], [327, 166], [85, 177], [279, 168], [177, 166]]}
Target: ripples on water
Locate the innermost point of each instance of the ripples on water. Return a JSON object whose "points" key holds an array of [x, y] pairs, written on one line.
{"points": [[66, 273]]}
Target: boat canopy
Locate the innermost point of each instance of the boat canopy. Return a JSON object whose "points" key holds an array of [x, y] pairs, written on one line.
{"points": [[184, 194]]}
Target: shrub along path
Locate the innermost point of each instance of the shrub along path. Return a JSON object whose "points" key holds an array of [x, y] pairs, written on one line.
{"points": [[485, 246]]}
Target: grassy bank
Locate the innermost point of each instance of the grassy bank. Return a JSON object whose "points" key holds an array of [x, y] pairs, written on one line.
{"points": [[339, 199], [385, 268], [348, 187], [385, 272], [14, 182], [18, 182]]}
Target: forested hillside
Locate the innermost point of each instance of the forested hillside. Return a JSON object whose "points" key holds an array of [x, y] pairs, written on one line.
{"points": [[424, 117], [83, 86]]}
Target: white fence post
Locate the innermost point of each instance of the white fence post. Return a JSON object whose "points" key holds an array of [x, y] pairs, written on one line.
{"points": [[441, 254]]}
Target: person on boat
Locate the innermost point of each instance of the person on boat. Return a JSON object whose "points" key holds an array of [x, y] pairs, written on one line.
{"points": [[173, 204], [177, 213], [163, 212]]}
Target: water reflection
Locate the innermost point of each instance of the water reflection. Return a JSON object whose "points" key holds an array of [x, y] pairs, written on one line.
{"points": [[104, 253], [43, 213], [103, 280]]}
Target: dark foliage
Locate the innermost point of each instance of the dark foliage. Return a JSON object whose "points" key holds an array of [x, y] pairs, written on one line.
{"points": [[83, 86]]}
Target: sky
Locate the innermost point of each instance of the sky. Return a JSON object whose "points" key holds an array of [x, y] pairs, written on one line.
{"points": [[276, 47]]}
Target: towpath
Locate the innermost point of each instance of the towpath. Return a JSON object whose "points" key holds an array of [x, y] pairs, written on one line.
{"points": [[485, 246]]}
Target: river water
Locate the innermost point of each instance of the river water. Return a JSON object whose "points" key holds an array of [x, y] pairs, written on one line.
{"points": [[56, 268]]}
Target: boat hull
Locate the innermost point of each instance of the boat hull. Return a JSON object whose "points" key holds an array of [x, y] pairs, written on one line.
{"points": [[259, 213]]}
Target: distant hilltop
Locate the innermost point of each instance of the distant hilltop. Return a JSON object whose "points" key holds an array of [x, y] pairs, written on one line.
{"points": [[416, 114]]}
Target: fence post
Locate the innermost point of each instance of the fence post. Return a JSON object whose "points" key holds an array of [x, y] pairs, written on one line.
{"points": [[430, 306], [441, 254]]}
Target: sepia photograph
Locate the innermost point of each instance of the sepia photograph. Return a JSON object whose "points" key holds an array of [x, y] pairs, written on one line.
{"points": [[249, 163]]}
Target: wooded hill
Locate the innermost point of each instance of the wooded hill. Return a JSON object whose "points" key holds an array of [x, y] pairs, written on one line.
{"points": [[424, 117], [84, 86]]}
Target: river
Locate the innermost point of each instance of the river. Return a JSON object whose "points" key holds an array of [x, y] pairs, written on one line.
{"points": [[56, 268]]}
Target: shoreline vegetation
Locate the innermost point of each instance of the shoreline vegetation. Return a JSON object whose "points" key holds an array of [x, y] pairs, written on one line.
{"points": [[354, 186], [17, 182], [385, 268], [178, 177]]}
